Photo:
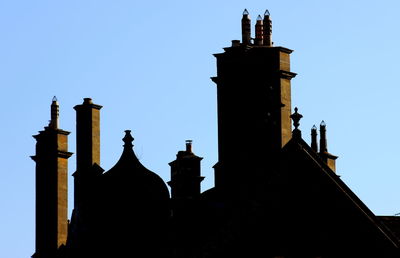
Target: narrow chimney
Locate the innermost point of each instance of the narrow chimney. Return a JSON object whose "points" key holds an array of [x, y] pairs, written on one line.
{"points": [[246, 30], [259, 31], [314, 144], [267, 31], [54, 111], [328, 158], [322, 141]]}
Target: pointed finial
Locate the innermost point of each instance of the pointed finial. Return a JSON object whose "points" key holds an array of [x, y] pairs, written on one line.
{"points": [[54, 99], [266, 13], [128, 139], [314, 127], [296, 118], [259, 18], [323, 123], [245, 12]]}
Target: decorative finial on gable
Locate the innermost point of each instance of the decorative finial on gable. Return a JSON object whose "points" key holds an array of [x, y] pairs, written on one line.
{"points": [[296, 118], [128, 139], [296, 122]]}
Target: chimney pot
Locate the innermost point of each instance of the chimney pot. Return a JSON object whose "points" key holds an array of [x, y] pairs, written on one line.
{"points": [[189, 146], [87, 101]]}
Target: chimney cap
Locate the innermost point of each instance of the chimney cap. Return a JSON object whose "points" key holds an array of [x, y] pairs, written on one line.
{"points": [[189, 146], [87, 101]]}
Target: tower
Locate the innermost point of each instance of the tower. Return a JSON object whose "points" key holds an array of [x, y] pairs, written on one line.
{"points": [[254, 102], [51, 186]]}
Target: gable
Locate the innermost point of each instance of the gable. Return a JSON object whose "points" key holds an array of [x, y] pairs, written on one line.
{"points": [[316, 209]]}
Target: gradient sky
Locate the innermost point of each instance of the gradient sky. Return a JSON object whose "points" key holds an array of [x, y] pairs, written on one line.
{"points": [[149, 63]]}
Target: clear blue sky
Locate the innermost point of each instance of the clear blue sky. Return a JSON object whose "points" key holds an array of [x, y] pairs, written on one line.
{"points": [[149, 62]]}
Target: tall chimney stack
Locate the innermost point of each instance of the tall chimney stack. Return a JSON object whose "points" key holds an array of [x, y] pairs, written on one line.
{"points": [[87, 134], [87, 148], [51, 187]]}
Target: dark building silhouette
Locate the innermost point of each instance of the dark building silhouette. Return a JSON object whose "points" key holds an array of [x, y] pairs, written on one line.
{"points": [[274, 195]]}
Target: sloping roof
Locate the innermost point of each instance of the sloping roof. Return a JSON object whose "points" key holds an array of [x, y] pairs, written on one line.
{"points": [[393, 223], [298, 150]]}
